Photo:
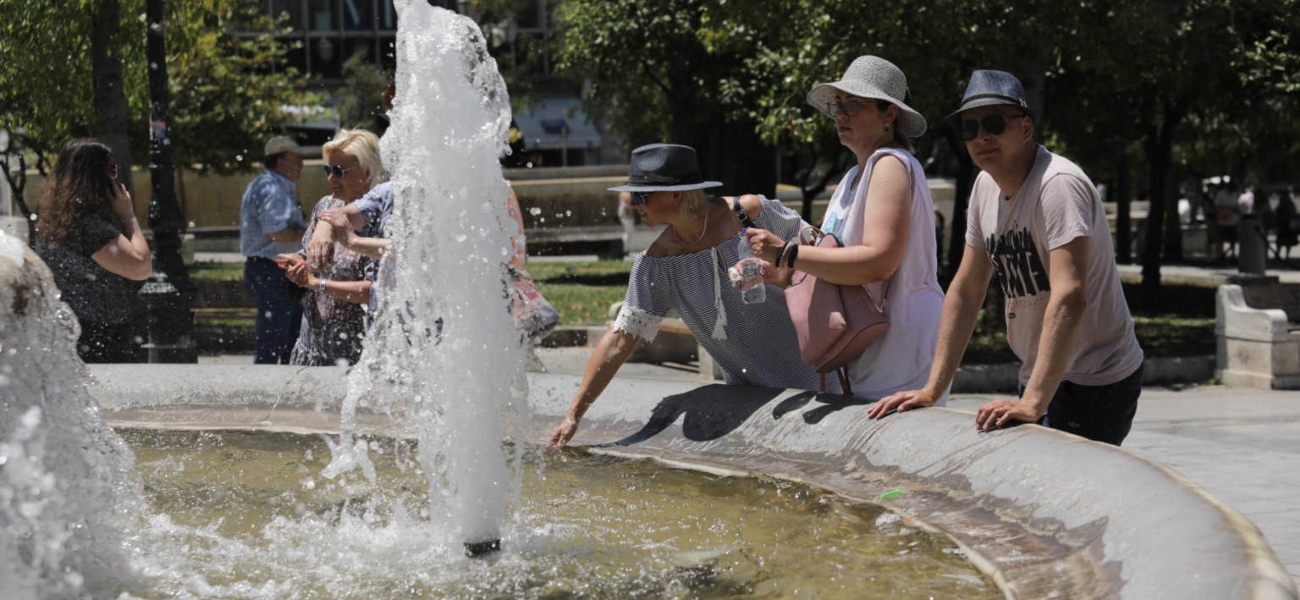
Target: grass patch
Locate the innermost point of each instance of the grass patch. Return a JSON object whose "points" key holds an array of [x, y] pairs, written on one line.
{"points": [[229, 323], [1159, 335], [214, 271], [582, 292], [1175, 335]]}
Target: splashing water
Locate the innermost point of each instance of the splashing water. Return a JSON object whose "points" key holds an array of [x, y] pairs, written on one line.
{"points": [[65, 490], [443, 353]]}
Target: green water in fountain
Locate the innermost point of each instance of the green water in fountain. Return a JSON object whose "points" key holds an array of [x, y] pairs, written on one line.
{"points": [[246, 515]]}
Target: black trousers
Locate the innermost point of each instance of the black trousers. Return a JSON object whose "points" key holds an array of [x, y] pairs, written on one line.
{"points": [[1102, 413]]}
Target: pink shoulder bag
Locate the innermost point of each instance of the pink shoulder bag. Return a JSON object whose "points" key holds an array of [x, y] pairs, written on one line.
{"points": [[834, 323]]}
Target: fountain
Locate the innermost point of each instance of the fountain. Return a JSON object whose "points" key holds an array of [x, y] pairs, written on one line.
{"points": [[450, 120], [1043, 514], [65, 494]]}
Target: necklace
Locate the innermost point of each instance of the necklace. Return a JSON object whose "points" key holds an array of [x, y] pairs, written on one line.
{"points": [[703, 230]]}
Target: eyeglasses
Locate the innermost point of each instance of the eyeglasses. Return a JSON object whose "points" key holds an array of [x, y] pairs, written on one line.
{"points": [[995, 124], [850, 108], [338, 171], [641, 197]]}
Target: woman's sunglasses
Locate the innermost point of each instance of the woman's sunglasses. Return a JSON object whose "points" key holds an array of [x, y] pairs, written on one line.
{"points": [[641, 197], [338, 171], [995, 124]]}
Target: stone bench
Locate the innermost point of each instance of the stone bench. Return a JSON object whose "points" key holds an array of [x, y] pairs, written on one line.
{"points": [[1259, 335]]}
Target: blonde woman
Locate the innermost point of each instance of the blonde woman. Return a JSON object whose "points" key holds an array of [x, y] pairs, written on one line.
{"points": [[334, 309]]}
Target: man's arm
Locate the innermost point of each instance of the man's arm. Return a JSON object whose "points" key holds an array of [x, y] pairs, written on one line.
{"points": [[961, 308], [1066, 305], [286, 235]]}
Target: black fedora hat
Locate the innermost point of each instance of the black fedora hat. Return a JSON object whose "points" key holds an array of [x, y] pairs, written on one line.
{"points": [[664, 168]]}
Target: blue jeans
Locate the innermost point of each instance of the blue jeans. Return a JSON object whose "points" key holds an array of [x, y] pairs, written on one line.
{"points": [[279, 311]]}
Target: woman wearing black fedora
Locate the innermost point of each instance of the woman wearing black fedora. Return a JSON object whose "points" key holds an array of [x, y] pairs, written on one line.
{"points": [[883, 214], [685, 270]]}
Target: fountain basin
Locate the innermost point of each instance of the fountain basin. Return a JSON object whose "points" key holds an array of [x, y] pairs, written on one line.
{"points": [[1044, 513]]}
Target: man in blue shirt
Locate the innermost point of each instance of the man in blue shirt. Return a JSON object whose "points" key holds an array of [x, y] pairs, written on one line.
{"points": [[271, 223]]}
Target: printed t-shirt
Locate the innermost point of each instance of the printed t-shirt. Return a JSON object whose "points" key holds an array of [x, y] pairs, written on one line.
{"points": [[1055, 205]]}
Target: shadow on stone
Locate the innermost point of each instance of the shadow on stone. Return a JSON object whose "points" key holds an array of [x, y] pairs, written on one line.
{"points": [[711, 412]]}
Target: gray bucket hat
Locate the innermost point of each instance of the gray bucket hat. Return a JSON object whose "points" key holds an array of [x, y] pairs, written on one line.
{"points": [[992, 88], [664, 168], [876, 78]]}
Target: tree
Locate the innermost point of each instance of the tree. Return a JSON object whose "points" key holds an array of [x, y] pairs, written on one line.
{"points": [[785, 58], [1166, 64], [228, 89], [364, 101], [654, 71]]}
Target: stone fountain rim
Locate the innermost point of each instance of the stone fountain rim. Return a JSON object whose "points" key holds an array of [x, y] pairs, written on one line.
{"points": [[1093, 526]]}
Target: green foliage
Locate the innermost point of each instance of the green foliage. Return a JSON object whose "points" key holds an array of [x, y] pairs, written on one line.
{"points": [[363, 103], [227, 89], [45, 81]]}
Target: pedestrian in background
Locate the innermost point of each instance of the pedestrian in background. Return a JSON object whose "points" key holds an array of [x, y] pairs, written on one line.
{"points": [[271, 223], [88, 234], [1285, 223]]}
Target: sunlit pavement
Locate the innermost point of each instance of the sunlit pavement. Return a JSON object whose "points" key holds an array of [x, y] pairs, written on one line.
{"points": [[1241, 445]]}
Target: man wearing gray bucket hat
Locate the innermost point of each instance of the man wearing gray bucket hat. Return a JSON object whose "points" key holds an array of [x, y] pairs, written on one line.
{"points": [[1037, 221], [683, 271]]}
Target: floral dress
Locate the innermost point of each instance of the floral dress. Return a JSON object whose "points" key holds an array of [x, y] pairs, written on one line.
{"points": [[332, 329]]}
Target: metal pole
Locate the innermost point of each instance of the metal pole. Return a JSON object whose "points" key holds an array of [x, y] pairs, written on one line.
{"points": [[169, 293]]}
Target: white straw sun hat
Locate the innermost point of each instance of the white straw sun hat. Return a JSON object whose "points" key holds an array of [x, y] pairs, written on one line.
{"points": [[876, 78]]}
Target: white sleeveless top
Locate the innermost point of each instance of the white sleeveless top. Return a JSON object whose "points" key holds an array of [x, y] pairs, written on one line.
{"points": [[901, 358]]}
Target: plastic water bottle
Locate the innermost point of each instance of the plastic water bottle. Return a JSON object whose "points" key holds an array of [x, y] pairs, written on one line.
{"points": [[752, 288]]}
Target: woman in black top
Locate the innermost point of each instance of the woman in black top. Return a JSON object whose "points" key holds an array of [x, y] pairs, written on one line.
{"points": [[88, 235]]}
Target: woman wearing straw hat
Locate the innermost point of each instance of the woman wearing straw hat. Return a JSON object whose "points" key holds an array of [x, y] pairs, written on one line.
{"points": [[684, 271], [883, 214]]}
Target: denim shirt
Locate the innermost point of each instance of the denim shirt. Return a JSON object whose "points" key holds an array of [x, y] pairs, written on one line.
{"points": [[270, 204]]}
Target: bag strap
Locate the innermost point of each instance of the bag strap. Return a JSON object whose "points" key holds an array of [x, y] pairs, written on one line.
{"points": [[846, 387], [812, 236]]}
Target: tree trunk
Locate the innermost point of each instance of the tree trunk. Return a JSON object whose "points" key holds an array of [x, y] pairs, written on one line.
{"points": [[110, 95], [960, 200], [1157, 155], [1173, 225], [1123, 209], [1158, 143]]}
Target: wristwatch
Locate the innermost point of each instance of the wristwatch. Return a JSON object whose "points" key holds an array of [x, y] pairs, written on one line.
{"points": [[321, 287], [743, 216]]}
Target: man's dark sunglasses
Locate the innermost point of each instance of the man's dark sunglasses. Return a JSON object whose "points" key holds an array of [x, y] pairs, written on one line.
{"points": [[338, 171], [995, 124], [641, 197]]}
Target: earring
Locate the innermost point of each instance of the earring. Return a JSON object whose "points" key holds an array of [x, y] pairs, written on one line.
{"points": [[888, 127]]}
